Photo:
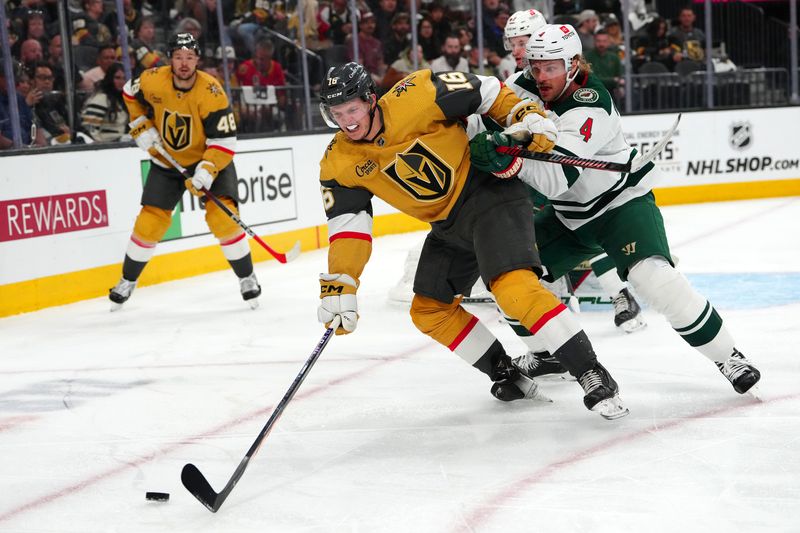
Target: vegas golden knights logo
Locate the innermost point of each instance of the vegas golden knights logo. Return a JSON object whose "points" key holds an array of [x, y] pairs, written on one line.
{"points": [[177, 130], [421, 173]]}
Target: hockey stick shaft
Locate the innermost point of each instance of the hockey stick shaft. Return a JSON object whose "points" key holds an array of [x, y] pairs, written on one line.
{"points": [[632, 166], [196, 483], [281, 257]]}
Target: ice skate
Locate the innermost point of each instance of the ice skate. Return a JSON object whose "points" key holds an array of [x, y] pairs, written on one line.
{"points": [[120, 293], [601, 393], [533, 365], [740, 372], [509, 384], [627, 312], [251, 290]]}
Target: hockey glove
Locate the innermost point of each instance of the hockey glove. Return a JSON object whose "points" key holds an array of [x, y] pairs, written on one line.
{"points": [[145, 135], [484, 155], [202, 179], [538, 132], [338, 298]]}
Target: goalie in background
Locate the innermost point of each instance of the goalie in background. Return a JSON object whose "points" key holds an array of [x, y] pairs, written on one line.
{"points": [[410, 149], [187, 112], [593, 211]]}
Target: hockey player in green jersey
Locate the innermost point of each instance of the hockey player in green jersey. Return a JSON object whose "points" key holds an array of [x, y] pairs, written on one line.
{"points": [[594, 211]]}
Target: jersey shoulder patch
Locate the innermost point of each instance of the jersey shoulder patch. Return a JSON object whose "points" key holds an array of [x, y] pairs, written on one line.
{"points": [[592, 94]]}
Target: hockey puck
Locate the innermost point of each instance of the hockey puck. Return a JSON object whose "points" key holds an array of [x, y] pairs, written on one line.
{"points": [[157, 496]]}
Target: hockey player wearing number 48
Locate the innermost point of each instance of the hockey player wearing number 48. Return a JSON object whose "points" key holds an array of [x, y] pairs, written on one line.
{"points": [[409, 149], [593, 211], [186, 112]]}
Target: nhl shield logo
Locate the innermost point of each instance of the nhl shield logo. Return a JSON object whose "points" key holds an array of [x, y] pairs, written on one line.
{"points": [[741, 136]]}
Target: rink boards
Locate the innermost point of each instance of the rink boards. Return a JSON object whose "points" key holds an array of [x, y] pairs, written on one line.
{"points": [[66, 216]]}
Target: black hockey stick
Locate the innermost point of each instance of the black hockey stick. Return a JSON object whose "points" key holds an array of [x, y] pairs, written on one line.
{"points": [[631, 166], [281, 257], [196, 483]]}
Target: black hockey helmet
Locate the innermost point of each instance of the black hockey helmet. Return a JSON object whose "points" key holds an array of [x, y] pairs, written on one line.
{"points": [[342, 84], [185, 41]]}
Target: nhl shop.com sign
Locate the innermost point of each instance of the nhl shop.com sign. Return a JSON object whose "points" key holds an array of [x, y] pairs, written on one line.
{"points": [[26, 218]]}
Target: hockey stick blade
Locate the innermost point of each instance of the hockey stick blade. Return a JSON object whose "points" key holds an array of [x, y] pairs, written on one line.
{"points": [[197, 484], [194, 480], [642, 160]]}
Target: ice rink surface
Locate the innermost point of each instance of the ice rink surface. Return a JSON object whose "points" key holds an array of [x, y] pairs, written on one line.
{"points": [[392, 432]]}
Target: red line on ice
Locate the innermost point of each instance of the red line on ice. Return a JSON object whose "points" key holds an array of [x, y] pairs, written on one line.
{"points": [[258, 414], [484, 512]]}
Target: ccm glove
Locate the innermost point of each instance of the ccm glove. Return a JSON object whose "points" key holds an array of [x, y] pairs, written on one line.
{"points": [[202, 179], [538, 132], [145, 135], [484, 155], [338, 298]]}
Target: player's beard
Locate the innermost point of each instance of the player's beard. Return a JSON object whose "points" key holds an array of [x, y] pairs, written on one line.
{"points": [[183, 77]]}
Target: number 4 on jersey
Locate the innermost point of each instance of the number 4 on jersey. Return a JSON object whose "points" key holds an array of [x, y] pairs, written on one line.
{"points": [[586, 130]]}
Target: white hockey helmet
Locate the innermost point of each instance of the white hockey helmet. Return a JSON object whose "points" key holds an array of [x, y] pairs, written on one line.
{"points": [[555, 41], [523, 22]]}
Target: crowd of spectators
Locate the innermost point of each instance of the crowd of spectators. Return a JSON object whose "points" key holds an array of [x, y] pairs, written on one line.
{"points": [[254, 30]]}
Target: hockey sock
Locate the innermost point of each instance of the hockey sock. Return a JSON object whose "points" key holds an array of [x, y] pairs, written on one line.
{"points": [[687, 311], [137, 255], [237, 252]]}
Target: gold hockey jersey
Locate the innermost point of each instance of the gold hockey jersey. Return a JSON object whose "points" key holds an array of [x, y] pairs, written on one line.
{"points": [[418, 163], [195, 124]]}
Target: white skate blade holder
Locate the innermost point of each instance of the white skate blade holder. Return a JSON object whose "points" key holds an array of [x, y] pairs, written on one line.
{"points": [[115, 307], [253, 303], [633, 325], [531, 390], [611, 408]]}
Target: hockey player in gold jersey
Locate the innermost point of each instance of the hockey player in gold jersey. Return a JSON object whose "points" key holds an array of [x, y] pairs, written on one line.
{"points": [[410, 149], [186, 112]]}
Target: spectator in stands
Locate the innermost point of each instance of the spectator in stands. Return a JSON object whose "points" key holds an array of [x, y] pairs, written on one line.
{"points": [[262, 69], [104, 115], [30, 52], [451, 58], [398, 40], [403, 66], [26, 118], [441, 23], [204, 12], [216, 68], [489, 63], [51, 111], [691, 40], [369, 48], [490, 29], [24, 86], [190, 25], [384, 14], [431, 45], [55, 58], [465, 38], [606, 65], [35, 27], [145, 47], [131, 14], [106, 56], [656, 46], [335, 21], [586, 26], [493, 39], [88, 28], [145, 33], [615, 37]]}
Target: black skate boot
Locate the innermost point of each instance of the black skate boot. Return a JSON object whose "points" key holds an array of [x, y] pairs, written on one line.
{"points": [[510, 384], [536, 364], [600, 393], [251, 290], [739, 371], [120, 293], [627, 312]]}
